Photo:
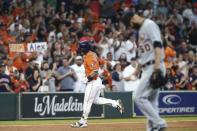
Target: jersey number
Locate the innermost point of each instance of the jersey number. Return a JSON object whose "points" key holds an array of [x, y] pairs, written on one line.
{"points": [[144, 48]]}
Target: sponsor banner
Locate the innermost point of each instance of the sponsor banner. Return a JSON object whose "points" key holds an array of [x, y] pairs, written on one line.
{"points": [[55, 105], [175, 103], [37, 47], [16, 48]]}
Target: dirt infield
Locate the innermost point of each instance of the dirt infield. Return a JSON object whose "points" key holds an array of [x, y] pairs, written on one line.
{"points": [[107, 126]]}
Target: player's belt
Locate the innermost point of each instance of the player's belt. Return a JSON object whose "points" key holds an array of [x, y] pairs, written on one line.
{"points": [[148, 63]]}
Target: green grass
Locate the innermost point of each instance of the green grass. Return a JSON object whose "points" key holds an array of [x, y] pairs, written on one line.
{"points": [[40, 122]]}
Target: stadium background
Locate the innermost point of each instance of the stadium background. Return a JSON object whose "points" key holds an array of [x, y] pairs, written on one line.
{"points": [[53, 28]]}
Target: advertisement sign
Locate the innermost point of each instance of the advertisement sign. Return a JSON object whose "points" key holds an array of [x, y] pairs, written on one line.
{"points": [[175, 103], [55, 105], [37, 47]]}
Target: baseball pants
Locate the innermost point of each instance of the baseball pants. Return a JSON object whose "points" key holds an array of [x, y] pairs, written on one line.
{"points": [[92, 95], [146, 99]]}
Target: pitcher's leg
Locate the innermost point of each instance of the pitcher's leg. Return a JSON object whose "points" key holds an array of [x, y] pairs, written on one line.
{"points": [[141, 99], [149, 125], [155, 104]]}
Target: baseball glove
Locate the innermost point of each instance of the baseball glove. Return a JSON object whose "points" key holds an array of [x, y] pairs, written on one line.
{"points": [[157, 79]]}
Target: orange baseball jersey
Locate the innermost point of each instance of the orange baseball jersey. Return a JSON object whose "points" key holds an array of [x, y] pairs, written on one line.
{"points": [[91, 63]]}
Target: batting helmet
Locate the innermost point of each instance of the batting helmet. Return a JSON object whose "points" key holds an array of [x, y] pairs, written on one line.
{"points": [[85, 44]]}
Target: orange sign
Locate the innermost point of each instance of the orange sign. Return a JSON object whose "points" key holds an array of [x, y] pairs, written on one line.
{"points": [[16, 47]]}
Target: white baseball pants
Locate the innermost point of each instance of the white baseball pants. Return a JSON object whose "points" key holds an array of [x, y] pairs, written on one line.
{"points": [[92, 95]]}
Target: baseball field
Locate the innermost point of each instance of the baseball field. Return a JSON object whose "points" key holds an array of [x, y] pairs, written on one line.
{"points": [[133, 124]]}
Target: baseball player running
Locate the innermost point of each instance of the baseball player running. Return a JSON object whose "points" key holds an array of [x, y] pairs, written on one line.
{"points": [[94, 83], [151, 55]]}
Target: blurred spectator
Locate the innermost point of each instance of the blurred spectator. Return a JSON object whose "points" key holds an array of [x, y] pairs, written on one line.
{"points": [[105, 46], [117, 81], [182, 48], [15, 27], [187, 12], [47, 76], [148, 12], [192, 37], [2, 51], [79, 69], [170, 56], [193, 79], [32, 75], [61, 23], [123, 60], [108, 10], [67, 76], [162, 8], [20, 84], [36, 82], [194, 17], [130, 77], [5, 80], [182, 65], [170, 83], [110, 62], [192, 59], [180, 79], [10, 69], [119, 45]]}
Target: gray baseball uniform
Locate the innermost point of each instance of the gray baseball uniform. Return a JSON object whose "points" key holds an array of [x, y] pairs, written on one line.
{"points": [[145, 97]]}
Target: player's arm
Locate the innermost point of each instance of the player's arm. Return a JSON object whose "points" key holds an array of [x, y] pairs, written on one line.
{"points": [[158, 47], [93, 70], [155, 37], [93, 75]]}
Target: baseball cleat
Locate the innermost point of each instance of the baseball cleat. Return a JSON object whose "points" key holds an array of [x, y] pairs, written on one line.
{"points": [[158, 129], [120, 106], [79, 125]]}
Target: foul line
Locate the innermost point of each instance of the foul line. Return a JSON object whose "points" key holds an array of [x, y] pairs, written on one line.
{"points": [[103, 123]]}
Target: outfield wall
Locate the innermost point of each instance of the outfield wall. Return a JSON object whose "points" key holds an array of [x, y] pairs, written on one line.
{"points": [[9, 106], [63, 105], [60, 105]]}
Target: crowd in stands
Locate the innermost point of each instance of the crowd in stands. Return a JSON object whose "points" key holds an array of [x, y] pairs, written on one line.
{"points": [[61, 23]]}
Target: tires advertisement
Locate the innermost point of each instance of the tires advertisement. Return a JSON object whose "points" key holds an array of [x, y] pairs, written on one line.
{"points": [[175, 103], [54, 105]]}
